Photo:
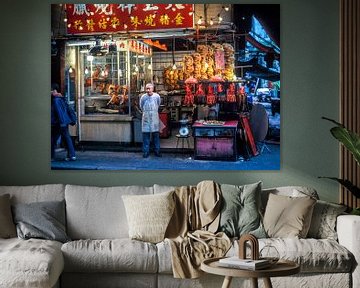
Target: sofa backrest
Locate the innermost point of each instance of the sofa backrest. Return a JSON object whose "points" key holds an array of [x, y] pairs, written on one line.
{"points": [[98, 212], [293, 191], [163, 188], [34, 193]]}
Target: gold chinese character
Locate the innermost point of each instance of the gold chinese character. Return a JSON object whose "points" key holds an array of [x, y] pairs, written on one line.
{"points": [[90, 24], [78, 24], [102, 24], [179, 19], [115, 22], [164, 19], [149, 20], [135, 21]]}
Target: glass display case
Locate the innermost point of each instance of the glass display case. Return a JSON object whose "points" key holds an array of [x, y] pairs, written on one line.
{"points": [[113, 72], [108, 78]]}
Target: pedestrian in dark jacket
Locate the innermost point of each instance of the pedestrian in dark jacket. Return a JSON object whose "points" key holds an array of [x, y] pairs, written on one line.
{"points": [[60, 121]]}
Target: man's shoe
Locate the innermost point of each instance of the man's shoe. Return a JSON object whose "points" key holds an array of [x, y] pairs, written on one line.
{"points": [[145, 155], [158, 154], [70, 158]]}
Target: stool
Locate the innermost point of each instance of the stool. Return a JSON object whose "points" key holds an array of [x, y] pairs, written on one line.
{"points": [[182, 137]]}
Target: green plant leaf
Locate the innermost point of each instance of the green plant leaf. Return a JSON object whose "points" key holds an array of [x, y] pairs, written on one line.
{"points": [[355, 211], [349, 139], [347, 184]]}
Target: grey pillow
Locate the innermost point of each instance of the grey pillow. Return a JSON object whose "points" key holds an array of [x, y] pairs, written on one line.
{"points": [[323, 222], [7, 226], [240, 213], [44, 220]]}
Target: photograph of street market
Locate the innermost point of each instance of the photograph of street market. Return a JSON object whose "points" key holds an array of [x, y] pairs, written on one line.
{"points": [[165, 86]]}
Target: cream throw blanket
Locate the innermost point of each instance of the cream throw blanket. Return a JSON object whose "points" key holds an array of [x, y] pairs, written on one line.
{"points": [[191, 231]]}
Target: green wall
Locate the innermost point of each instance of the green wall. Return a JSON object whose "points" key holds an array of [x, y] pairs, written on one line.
{"points": [[309, 61]]}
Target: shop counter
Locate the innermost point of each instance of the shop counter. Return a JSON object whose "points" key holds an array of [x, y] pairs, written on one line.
{"points": [[107, 128], [215, 140]]}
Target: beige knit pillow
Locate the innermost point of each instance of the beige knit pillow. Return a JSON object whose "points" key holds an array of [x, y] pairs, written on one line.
{"points": [[149, 215], [288, 217], [7, 226]]}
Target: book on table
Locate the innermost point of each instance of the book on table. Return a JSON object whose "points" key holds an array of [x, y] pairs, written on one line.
{"points": [[249, 264]]}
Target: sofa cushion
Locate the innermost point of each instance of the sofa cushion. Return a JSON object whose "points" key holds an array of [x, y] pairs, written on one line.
{"points": [[148, 215], [7, 226], [313, 255], [34, 193], [98, 213], [116, 255], [30, 263], [323, 222], [240, 212], [287, 216], [44, 220]]}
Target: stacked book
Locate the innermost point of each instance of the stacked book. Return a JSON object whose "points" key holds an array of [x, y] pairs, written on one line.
{"points": [[248, 264]]}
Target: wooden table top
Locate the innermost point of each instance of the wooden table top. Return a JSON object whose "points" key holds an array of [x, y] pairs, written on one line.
{"points": [[281, 268]]}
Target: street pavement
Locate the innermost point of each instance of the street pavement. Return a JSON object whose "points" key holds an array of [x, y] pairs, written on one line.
{"points": [[170, 160]]}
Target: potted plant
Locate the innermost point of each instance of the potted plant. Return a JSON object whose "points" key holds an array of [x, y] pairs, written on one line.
{"points": [[351, 141]]}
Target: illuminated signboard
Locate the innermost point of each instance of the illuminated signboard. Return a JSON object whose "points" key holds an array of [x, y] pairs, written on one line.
{"points": [[100, 18]]}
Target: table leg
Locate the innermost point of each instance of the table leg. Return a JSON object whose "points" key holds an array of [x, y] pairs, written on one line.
{"points": [[227, 282], [267, 283], [254, 282]]}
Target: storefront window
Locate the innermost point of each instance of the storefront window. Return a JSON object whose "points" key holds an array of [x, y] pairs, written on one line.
{"points": [[113, 77]]}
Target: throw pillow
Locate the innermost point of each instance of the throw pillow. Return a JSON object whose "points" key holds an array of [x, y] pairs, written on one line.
{"points": [[44, 220], [240, 213], [149, 215], [288, 217], [7, 226], [323, 222]]}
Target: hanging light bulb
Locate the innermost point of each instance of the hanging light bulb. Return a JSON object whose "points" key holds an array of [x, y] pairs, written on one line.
{"points": [[120, 73], [86, 71], [220, 18], [149, 67], [227, 8], [102, 74], [199, 21], [136, 68], [174, 67], [65, 17], [211, 22], [70, 69]]}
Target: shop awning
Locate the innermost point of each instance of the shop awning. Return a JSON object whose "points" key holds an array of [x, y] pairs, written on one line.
{"points": [[253, 69]]}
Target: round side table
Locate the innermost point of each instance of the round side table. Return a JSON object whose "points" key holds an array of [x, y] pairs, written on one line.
{"points": [[281, 268]]}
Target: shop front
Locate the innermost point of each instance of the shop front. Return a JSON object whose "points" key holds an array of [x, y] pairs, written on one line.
{"points": [[189, 51]]}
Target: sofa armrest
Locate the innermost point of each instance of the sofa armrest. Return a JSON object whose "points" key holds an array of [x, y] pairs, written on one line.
{"points": [[348, 230]]}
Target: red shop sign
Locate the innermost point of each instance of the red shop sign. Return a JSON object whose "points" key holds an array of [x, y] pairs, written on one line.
{"points": [[100, 18]]}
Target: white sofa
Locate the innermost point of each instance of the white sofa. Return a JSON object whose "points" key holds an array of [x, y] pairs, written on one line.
{"points": [[101, 254]]}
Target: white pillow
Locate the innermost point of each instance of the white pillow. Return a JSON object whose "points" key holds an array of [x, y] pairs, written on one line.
{"points": [[149, 215]]}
